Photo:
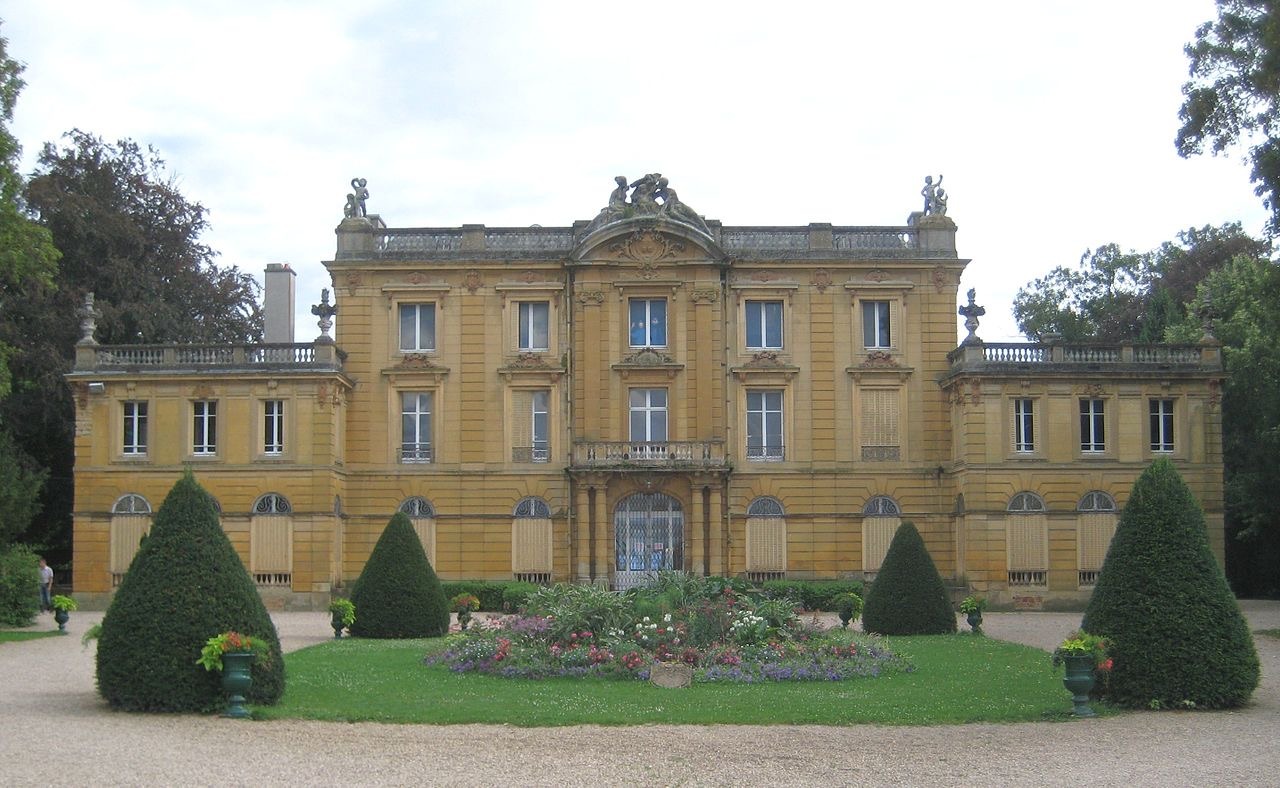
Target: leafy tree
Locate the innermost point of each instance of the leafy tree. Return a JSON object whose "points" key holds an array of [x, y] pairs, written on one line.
{"points": [[20, 482], [1233, 95], [1176, 634], [185, 585], [19, 579], [908, 597], [398, 594]]}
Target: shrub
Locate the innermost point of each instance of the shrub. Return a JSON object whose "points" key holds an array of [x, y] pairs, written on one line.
{"points": [[494, 595], [19, 586], [1177, 637], [812, 594], [398, 594], [515, 595], [185, 585], [908, 597]]}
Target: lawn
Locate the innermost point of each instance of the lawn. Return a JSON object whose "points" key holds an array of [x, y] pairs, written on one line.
{"points": [[958, 679], [14, 636]]}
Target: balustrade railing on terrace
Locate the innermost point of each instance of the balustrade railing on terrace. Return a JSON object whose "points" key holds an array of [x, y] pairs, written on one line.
{"points": [[1036, 353], [106, 357], [648, 453]]}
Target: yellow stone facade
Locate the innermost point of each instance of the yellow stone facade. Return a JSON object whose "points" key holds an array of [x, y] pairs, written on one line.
{"points": [[646, 390]]}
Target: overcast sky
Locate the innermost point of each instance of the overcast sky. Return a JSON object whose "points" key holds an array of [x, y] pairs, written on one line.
{"points": [[1053, 123]]}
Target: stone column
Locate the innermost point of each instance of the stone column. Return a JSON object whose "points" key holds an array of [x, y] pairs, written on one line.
{"points": [[693, 532], [718, 547], [603, 557], [582, 538]]}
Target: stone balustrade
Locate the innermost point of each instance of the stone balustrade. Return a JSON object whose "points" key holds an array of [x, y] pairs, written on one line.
{"points": [[655, 454], [168, 358]]}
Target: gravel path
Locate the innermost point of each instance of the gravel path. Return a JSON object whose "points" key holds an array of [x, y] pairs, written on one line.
{"points": [[54, 730]]}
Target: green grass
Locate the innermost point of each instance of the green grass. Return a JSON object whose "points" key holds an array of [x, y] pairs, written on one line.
{"points": [[958, 678], [1271, 633], [11, 636]]}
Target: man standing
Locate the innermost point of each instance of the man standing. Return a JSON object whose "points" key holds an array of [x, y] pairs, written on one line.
{"points": [[46, 586]]}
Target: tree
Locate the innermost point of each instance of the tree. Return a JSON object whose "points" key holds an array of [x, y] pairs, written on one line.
{"points": [[1233, 95], [185, 585], [908, 597], [398, 594], [129, 236], [20, 483], [1176, 634]]}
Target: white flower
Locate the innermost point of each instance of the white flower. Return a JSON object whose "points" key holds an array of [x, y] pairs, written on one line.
{"points": [[667, 618]]}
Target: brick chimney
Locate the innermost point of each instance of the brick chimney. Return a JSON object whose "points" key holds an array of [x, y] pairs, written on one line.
{"points": [[278, 303]]}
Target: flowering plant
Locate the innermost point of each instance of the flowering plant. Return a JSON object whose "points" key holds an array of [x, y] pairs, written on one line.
{"points": [[1082, 644], [231, 642], [464, 602]]}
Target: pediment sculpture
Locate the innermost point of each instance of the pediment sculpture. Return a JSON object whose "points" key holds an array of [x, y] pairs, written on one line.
{"points": [[648, 357], [650, 195]]}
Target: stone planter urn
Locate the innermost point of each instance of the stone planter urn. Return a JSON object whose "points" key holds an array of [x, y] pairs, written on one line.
{"points": [[672, 675], [336, 623], [236, 681], [975, 621], [62, 617], [1078, 681]]}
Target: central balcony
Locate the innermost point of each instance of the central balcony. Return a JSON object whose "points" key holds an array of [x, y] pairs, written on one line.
{"points": [[649, 454]]}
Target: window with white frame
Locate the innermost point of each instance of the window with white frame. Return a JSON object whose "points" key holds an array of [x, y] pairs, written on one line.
{"points": [[135, 428], [764, 325], [415, 426], [876, 324], [1093, 427], [647, 318], [204, 429], [531, 425], [764, 425], [1024, 425], [649, 415], [535, 320], [273, 427], [417, 327], [1161, 425]]}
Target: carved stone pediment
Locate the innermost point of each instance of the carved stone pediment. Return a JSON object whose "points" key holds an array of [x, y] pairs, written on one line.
{"points": [[647, 357], [532, 365], [418, 361], [765, 364], [878, 359], [416, 365], [530, 361], [646, 246]]}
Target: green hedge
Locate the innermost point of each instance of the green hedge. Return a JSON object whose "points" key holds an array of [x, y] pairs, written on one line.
{"points": [[19, 586], [494, 595], [812, 594], [398, 594]]}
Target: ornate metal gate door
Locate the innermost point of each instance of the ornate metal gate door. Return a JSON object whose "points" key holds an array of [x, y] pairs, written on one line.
{"points": [[648, 533]]}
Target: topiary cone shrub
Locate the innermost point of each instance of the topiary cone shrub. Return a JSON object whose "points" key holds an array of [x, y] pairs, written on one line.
{"points": [[1176, 635], [908, 597], [398, 594], [185, 585]]}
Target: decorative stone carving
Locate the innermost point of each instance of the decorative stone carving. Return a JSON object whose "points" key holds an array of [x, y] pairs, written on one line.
{"points": [[530, 361], [880, 453], [325, 311], [879, 359], [821, 280], [418, 361], [472, 281], [647, 357], [971, 313], [877, 275], [705, 296], [765, 358], [1091, 390], [935, 199], [646, 246], [1215, 393], [940, 279], [651, 195], [528, 277], [88, 321], [353, 281], [416, 278], [356, 201], [591, 297]]}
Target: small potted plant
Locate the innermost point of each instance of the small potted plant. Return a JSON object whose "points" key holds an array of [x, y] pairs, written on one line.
{"points": [[62, 607], [848, 607], [233, 654], [972, 607], [464, 605], [343, 615], [1083, 655]]}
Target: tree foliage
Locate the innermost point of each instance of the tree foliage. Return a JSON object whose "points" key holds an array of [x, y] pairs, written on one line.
{"points": [[1233, 95], [185, 585], [398, 594], [19, 580], [907, 596], [1176, 634], [20, 483]]}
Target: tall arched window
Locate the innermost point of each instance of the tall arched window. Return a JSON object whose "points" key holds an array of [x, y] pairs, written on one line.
{"points": [[766, 539], [271, 541], [881, 517], [130, 521], [1027, 540], [531, 549], [1095, 526], [423, 517]]}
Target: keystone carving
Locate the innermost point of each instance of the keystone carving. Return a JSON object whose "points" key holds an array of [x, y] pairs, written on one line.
{"points": [[472, 281], [821, 280]]}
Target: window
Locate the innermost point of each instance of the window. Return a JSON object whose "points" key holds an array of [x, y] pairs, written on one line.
{"points": [[765, 507], [131, 504], [764, 325], [764, 425], [1024, 426], [881, 506], [1096, 501], [881, 439], [1026, 502], [534, 322], [532, 507], [648, 320], [135, 428], [272, 503], [417, 507], [273, 427], [881, 517], [1027, 540], [415, 426], [875, 324], [649, 415], [1093, 431], [766, 540], [205, 427], [417, 327], [531, 426], [1162, 425]]}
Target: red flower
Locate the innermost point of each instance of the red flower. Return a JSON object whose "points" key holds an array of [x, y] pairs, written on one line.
{"points": [[1105, 665]]}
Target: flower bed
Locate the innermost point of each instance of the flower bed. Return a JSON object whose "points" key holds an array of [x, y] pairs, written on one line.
{"points": [[725, 633]]}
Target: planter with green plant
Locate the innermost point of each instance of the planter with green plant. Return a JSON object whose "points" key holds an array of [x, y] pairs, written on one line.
{"points": [[464, 605], [1084, 656], [233, 654], [848, 607], [972, 607], [343, 615], [62, 607]]}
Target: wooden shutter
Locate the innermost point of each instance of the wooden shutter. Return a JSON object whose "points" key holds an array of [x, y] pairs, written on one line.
{"points": [[766, 544]]}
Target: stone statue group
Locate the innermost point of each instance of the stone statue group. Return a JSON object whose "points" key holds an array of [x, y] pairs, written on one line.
{"points": [[650, 195]]}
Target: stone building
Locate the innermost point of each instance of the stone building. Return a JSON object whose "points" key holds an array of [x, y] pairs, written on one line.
{"points": [[646, 390]]}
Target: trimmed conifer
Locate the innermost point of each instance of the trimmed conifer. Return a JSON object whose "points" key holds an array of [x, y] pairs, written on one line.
{"points": [[398, 594], [1176, 635], [185, 585], [908, 597]]}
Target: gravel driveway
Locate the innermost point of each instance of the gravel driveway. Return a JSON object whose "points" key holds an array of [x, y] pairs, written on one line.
{"points": [[54, 730]]}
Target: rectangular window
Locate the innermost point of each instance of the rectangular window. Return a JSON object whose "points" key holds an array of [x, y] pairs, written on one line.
{"points": [[1093, 434], [541, 426], [649, 415], [764, 425], [534, 324], [415, 426], [135, 428], [1024, 425], [881, 440], [1162, 425], [764, 325], [875, 324], [648, 321], [273, 426], [205, 427], [417, 327]]}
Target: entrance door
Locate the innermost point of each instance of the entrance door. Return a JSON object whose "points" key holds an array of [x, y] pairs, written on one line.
{"points": [[648, 533]]}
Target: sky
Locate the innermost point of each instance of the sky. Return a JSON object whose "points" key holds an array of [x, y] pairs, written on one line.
{"points": [[1052, 123]]}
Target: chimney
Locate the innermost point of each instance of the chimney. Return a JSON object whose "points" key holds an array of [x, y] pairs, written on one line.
{"points": [[277, 303]]}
